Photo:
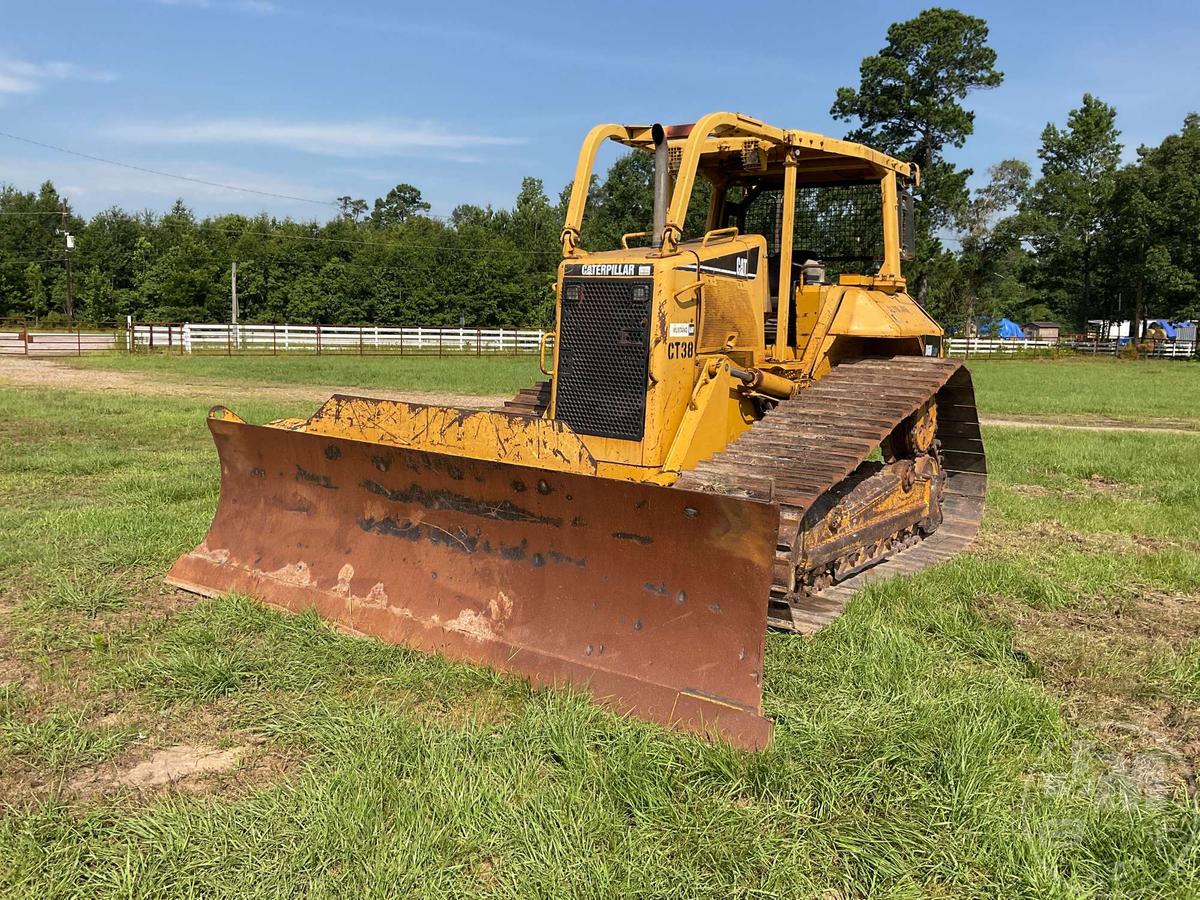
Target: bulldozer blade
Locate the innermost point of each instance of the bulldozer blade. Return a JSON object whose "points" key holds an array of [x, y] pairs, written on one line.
{"points": [[649, 598]]}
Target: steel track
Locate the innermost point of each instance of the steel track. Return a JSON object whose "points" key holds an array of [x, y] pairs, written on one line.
{"points": [[809, 444]]}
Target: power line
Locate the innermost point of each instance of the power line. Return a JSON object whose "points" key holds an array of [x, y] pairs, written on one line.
{"points": [[400, 248], [39, 212], [135, 168], [216, 184], [235, 232], [266, 234]]}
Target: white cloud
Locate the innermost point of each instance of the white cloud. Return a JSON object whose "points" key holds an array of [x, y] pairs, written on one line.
{"points": [[18, 76], [254, 7], [372, 138]]}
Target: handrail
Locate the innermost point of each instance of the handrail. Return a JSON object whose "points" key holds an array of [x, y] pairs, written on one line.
{"points": [[725, 233], [582, 181], [633, 234], [542, 351]]}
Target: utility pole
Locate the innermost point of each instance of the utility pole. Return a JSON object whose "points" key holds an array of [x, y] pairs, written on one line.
{"points": [[69, 245], [233, 308]]}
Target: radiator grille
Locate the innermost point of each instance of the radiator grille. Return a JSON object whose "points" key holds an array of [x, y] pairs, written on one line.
{"points": [[603, 356]]}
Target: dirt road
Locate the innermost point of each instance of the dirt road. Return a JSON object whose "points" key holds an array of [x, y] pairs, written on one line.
{"points": [[1103, 425], [26, 372]]}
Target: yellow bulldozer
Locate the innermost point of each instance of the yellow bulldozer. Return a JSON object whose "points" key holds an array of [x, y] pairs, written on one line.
{"points": [[739, 429]]}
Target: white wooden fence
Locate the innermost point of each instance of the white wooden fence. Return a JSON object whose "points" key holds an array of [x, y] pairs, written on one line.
{"points": [[1010, 346], [985, 346], [192, 337], [206, 338], [1158, 349]]}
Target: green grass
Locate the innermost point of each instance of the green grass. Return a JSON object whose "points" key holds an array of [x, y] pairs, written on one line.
{"points": [[1077, 389], [58, 737], [1082, 388], [927, 743], [450, 375]]}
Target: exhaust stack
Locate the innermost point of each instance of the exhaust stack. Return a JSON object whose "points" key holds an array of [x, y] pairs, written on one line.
{"points": [[662, 184]]}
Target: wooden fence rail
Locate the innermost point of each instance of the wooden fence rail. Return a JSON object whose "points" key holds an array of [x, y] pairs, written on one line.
{"points": [[362, 340], [366, 340], [1012, 346]]}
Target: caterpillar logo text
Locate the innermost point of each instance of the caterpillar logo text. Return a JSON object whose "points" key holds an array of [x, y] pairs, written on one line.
{"points": [[614, 269]]}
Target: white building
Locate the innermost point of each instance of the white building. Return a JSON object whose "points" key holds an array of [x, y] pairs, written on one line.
{"points": [[1184, 331]]}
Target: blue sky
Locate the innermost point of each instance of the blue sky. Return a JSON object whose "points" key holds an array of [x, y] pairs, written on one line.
{"points": [[319, 99]]}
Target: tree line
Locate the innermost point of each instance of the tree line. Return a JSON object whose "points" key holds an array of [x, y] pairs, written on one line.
{"points": [[395, 265], [1085, 238]]}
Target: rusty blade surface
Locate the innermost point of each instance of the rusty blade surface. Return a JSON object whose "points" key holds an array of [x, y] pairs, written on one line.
{"points": [[652, 599]]}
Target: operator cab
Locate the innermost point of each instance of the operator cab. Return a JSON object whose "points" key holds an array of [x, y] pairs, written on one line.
{"points": [[723, 180], [838, 229]]}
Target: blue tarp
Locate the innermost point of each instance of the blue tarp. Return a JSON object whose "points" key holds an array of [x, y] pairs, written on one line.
{"points": [[1001, 328], [1171, 328], [1010, 329]]}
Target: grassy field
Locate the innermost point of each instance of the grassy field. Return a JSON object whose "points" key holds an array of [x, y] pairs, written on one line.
{"points": [[464, 375], [1082, 389], [1078, 390], [1021, 721]]}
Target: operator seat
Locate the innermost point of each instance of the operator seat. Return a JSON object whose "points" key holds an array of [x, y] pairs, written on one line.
{"points": [[799, 258]]}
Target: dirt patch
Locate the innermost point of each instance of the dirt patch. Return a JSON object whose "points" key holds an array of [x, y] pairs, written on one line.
{"points": [[1152, 544], [1103, 658], [1036, 490], [1095, 485], [33, 372], [485, 871], [20, 784], [1165, 426], [13, 669], [176, 763], [1149, 618], [152, 606], [48, 652], [187, 748], [189, 768], [1046, 538], [1150, 760], [1109, 487]]}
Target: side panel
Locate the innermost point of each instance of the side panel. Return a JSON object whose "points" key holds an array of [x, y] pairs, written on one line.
{"points": [[650, 598]]}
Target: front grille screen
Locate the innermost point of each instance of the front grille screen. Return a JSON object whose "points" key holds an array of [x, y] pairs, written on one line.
{"points": [[603, 356]]}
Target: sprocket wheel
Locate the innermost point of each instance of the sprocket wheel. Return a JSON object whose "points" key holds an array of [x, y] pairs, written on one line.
{"points": [[914, 437]]}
